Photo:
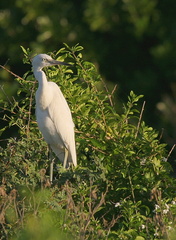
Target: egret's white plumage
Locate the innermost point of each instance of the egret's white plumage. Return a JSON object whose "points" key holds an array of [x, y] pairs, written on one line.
{"points": [[53, 114]]}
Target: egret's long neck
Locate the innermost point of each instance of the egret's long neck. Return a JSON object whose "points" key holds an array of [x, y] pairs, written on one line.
{"points": [[41, 78], [43, 96]]}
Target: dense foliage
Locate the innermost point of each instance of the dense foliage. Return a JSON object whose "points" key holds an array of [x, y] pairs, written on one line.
{"points": [[121, 188]]}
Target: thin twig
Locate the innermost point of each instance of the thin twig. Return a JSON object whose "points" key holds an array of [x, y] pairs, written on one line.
{"points": [[132, 189], [172, 149], [8, 99], [11, 72], [97, 149], [109, 94], [114, 89], [112, 93], [161, 135], [140, 119]]}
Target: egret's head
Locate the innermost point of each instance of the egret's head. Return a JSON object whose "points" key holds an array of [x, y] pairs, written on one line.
{"points": [[44, 60]]}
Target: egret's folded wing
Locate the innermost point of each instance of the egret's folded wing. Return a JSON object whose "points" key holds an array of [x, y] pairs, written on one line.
{"points": [[61, 116]]}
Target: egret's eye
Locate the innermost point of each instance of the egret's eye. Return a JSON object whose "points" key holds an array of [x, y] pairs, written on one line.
{"points": [[44, 60]]}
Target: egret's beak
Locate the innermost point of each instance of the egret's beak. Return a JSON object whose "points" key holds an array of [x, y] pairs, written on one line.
{"points": [[55, 62]]}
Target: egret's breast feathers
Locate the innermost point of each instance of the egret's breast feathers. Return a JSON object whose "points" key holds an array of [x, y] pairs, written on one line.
{"points": [[43, 97]]}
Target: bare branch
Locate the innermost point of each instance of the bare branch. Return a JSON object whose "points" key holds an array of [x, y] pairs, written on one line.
{"points": [[12, 73]]}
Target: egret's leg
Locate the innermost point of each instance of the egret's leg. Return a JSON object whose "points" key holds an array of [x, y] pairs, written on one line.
{"points": [[51, 158], [51, 170], [65, 158]]}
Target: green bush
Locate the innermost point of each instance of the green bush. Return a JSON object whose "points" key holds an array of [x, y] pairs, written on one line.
{"points": [[122, 187]]}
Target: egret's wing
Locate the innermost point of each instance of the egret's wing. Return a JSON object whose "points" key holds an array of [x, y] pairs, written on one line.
{"points": [[60, 114]]}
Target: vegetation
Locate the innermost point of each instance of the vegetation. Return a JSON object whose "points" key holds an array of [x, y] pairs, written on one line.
{"points": [[132, 42], [122, 187]]}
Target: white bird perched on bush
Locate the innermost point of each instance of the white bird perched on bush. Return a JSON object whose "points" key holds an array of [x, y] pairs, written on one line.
{"points": [[53, 114]]}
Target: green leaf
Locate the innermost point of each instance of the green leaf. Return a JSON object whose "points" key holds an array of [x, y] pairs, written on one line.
{"points": [[24, 50], [139, 238]]}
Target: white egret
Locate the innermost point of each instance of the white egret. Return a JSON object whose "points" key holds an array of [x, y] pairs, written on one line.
{"points": [[53, 114]]}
